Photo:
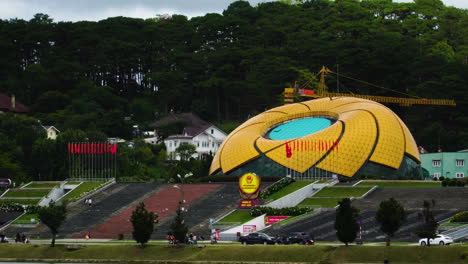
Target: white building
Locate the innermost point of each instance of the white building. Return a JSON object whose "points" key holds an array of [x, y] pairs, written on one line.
{"points": [[52, 132], [206, 137]]}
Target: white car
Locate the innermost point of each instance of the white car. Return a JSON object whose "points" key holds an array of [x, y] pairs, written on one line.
{"points": [[438, 240]]}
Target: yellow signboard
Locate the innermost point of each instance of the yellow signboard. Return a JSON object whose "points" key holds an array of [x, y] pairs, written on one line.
{"points": [[249, 183]]}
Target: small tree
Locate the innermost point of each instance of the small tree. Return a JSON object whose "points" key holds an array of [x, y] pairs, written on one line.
{"points": [[391, 216], [429, 227], [143, 224], [178, 228], [53, 217], [346, 222], [185, 151]]}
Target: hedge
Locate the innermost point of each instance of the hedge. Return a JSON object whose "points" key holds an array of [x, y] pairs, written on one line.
{"points": [[276, 187], [286, 211], [460, 217]]}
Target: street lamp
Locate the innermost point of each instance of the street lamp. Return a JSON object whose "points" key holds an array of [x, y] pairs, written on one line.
{"points": [[181, 188]]}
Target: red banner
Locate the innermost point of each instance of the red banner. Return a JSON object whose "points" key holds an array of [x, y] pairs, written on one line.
{"points": [[274, 219], [310, 145], [92, 148]]}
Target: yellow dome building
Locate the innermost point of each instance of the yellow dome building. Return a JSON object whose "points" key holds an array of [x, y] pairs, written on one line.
{"points": [[341, 136]]}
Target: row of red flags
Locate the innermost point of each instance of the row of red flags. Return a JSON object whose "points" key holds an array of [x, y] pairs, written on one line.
{"points": [[92, 148], [310, 145]]}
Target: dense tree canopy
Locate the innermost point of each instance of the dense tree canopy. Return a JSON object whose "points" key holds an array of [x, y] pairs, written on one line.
{"points": [[109, 75]]}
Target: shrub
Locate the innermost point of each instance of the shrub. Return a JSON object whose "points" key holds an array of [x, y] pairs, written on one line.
{"points": [[11, 207], [276, 187], [286, 211], [453, 182], [460, 217]]}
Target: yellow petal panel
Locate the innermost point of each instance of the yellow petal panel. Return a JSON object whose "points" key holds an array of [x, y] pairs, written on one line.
{"points": [[240, 148], [354, 147], [389, 150]]}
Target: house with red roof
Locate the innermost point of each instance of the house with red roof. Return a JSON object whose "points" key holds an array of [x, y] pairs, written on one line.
{"points": [[9, 104]]}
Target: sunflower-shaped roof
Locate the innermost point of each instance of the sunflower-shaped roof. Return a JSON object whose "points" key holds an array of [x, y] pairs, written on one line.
{"points": [[360, 130]]}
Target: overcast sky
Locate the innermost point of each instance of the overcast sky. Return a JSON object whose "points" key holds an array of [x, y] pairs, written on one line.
{"points": [[95, 10]]}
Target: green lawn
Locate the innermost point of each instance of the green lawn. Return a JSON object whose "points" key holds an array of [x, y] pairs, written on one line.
{"points": [[26, 219], [234, 254], [342, 192], [454, 224], [238, 216], [286, 190], [26, 193], [401, 184], [293, 218], [42, 185], [73, 182], [320, 202], [21, 201], [81, 190]]}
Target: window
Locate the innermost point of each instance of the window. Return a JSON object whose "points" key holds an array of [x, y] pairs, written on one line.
{"points": [[212, 131], [437, 175], [460, 174], [460, 162], [436, 163]]}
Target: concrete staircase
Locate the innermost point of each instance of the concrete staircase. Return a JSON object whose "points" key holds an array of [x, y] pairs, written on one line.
{"points": [[81, 218], [449, 201], [213, 204]]}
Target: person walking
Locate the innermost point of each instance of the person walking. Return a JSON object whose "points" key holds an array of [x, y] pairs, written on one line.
{"points": [[90, 202]]}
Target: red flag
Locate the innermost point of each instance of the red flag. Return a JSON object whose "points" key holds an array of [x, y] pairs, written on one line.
{"points": [[114, 149], [288, 151]]}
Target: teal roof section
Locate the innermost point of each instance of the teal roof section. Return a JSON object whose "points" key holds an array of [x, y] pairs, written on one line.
{"points": [[299, 128]]}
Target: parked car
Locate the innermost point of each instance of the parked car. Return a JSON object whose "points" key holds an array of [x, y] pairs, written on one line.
{"points": [[438, 240], [302, 238], [257, 238]]}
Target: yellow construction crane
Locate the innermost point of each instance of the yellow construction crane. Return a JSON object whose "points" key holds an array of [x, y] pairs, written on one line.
{"points": [[322, 91]]}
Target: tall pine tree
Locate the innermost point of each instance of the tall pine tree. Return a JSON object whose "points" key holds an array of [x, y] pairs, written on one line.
{"points": [[178, 228], [143, 224], [346, 222]]}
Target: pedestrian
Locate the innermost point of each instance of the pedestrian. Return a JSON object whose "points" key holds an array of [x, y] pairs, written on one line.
{"points": [[86, 201], [194, 239], [24, 239], [90, 202], [17, 238]]}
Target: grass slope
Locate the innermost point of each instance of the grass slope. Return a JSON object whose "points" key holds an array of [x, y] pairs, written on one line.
{"points": [[342, 192], [26, 193], [238, 216], [42, 185], [401, 184], [81, 190], [321, 202], [21, 201], [287, 190], [237, 254]]}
